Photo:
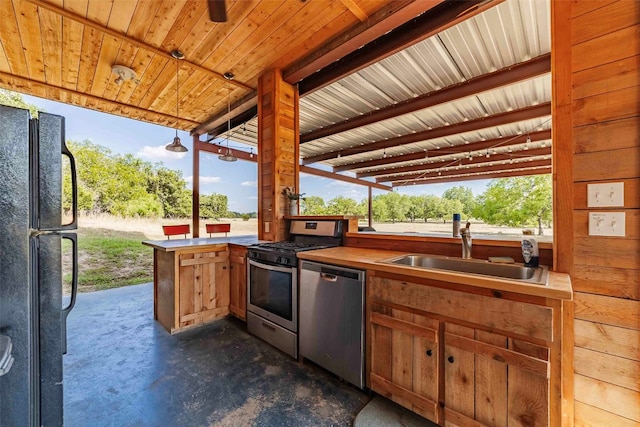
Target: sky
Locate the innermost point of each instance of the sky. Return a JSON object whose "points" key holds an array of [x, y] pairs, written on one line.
{"points": [[236, 180]]}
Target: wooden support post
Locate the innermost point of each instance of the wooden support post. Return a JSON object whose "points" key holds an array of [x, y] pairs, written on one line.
{"points": [[370, 207], [195, 208], [278, 148]]}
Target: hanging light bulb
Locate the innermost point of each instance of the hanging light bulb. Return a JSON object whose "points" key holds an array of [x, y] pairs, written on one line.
{"points": [[228, 154], [384, 154], [176, 146], [251, 152]]}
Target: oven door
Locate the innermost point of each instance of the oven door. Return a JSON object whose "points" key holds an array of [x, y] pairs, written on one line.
{"points": [[273, 293]]}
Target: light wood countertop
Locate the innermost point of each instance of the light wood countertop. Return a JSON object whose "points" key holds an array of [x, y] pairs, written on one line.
{"points": [[558, 284], [201, 243]]}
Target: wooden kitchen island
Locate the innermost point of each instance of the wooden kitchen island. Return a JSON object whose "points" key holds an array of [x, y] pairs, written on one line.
{"points": [[196, 281]]}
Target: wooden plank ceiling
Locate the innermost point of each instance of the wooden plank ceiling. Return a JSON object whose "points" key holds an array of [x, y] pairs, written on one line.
{"points": [[400, 92]]}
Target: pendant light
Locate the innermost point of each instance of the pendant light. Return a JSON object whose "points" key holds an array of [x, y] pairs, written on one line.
{"points": [[228, 155], [176, 146]]}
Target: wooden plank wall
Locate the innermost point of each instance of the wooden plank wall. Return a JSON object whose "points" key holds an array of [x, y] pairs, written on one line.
{"points": [[605, 106], [278, 148]]}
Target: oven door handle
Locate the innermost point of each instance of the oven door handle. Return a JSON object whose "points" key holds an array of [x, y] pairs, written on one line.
{"points": [[271, 267]]}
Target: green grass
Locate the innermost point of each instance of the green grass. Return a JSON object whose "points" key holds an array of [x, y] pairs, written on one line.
{"points": [[110, 259]]}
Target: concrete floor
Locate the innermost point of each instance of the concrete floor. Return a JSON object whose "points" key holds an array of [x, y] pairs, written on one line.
{"points": [[123, 369]]}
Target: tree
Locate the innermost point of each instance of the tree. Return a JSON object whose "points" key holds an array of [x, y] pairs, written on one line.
{"points": [[517, 202], [379, 208], [415, 207], [396, 205], [465, 196], [14, 99], [313, 205], [170, 188], [342, 206], [213, 206]]}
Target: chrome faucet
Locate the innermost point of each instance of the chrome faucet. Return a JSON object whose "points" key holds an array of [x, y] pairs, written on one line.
{"points": [[465, 233]]}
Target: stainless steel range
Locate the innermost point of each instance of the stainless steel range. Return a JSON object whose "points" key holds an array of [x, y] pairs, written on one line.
{"points": [[272, 296]]}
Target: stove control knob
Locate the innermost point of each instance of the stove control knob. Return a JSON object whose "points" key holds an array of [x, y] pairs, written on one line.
{"points": [[283, 260]]}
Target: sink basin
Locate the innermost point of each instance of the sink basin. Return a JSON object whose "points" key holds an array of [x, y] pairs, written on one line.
{"points": [[534, 275]]}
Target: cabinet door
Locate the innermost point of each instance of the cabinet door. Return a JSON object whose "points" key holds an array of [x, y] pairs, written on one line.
{"points": [[238, 281], [493, 380], [204, 286], [404, 359]]}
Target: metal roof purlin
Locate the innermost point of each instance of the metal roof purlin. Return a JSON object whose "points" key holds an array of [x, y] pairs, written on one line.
{"points": [[429, 23], [433, 155], [470, 177], [509, 75], [526, 113]]}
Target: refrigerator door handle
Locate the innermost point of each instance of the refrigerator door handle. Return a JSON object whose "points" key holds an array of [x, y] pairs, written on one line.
{"points": [[74, 287], [74, 189]]}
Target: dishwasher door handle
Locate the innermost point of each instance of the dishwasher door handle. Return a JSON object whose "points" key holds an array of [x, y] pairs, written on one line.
{"points": [[329, 277]]}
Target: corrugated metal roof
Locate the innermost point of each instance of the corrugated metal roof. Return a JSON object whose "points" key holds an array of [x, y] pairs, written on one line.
{"points": [[512, 32]]}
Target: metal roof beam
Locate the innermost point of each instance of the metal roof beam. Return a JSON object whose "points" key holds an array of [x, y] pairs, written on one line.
{"points": [[426, 167], [522, 163], [522, 114], [351, 180], [506, 76], [505, 141], [470, 177], [378, 24], [431, 22]]}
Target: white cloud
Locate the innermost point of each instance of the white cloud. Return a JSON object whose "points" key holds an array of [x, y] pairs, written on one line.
{"points": [[252, 197], [249, 184], [204, 179], [158, 153]]}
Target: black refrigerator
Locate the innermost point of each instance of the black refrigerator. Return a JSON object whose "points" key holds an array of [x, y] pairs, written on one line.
{"points": [[32, 312]]}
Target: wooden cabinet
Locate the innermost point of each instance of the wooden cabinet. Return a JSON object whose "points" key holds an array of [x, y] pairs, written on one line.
{"points": [[463, 357], [489, 379], [238, 281], [405, 358], [191, 286]]}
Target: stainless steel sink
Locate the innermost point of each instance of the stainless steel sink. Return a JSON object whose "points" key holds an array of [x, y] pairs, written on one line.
{"points": [[534, 275]]}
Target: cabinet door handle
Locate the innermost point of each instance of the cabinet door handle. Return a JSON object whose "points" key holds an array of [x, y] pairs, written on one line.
{"points": [[429, 353], [450, 359]]}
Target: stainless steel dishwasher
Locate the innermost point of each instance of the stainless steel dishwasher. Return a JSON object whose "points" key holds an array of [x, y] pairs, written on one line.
{"points": [[331, 317]]}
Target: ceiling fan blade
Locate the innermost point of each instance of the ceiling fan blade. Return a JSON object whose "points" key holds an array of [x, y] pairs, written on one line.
{"points": [[217, 10]]}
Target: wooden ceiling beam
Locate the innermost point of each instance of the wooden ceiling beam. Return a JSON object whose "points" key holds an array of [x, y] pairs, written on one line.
{"points": [[464, 177], [19, 84], [464, 169], [379, 23], [506, 76], [343, 178], [425, 167], [431, 22], [499, 119], [213, 149], [505, 141], [240, 108], [117, 34]]}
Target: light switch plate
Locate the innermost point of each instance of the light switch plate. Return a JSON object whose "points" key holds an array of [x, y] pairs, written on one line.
{"points": [[607, 224], [266, 226], [605, 195]]}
